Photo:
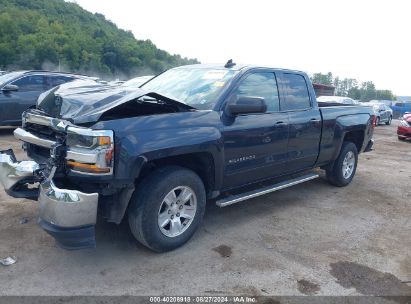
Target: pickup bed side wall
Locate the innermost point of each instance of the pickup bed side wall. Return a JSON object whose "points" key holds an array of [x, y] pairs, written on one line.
{"points": [[356, 121]]}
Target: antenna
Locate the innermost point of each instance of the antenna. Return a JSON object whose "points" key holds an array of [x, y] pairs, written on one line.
{"points": [[229, 64]]}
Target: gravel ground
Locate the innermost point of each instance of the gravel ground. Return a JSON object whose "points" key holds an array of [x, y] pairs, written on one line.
{"points": [[312, 239]]}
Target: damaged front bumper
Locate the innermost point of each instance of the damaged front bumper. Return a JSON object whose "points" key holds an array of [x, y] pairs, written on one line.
{"points": [[67, 215], [14, 175]]}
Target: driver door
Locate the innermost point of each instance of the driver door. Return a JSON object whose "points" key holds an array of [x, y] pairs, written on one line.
{"points": [[255, 145]]}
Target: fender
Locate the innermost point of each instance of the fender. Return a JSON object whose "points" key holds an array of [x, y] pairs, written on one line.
{"points": [[347, 124]]}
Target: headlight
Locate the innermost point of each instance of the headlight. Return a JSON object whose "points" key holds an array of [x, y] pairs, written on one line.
{"points": [[90, 151]]}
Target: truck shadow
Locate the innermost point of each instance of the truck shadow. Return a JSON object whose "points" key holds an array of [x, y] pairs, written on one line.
{"points": [[216, 220], [4, 131]]}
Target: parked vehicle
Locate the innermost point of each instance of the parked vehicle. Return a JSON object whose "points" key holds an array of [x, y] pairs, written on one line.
{"points": [[383, 113], [20, 90], [156, 154], [404, 127], [384, 101], [400, 107], [137, 81], [337, 100]]}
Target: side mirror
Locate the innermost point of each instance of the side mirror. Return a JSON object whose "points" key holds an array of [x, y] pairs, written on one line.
{"points": [[10, 88], [247, 105]]}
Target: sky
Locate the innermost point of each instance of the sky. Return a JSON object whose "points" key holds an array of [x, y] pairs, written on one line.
{"points": [[366, 40]]}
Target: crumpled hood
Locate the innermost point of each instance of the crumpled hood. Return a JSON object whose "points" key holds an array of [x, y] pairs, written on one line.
{"points": [[84, 101]]}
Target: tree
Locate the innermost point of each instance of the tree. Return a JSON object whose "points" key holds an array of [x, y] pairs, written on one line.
{"points": [[53, 32], [320, 78]]}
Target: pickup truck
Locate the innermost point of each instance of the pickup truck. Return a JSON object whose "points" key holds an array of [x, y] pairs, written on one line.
{"points": [[156, 154]]}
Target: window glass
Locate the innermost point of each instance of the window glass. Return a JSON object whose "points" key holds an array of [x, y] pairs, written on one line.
{"points": [[196, 87], [296, 92], [53, 81], [30, 83], [261, 85]]}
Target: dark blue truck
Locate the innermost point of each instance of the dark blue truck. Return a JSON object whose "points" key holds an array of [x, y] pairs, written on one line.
{"points": [[158, 153]]}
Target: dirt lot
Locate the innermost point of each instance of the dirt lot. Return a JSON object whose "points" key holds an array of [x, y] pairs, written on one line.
{"points": [[309, 239]]}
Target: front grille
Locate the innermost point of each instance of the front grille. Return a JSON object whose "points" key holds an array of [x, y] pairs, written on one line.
{"points": [[42, 131], [38, 153]]}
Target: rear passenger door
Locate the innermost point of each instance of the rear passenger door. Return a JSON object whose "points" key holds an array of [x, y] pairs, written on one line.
{"points": [[304, 120]]}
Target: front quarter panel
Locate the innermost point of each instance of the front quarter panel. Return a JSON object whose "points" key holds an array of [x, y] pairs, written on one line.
{"points": [[139, 140]]}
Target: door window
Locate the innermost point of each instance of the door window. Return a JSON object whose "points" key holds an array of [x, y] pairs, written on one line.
{"points": [[53, 81], [261, 85], [296, 93], [30, 83]]}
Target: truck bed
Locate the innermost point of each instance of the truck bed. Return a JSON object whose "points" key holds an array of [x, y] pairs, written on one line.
{"points": [[336, 120]]}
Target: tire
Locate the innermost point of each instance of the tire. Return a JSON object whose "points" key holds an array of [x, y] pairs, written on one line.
{"points": [[149, 205], [389, 121], [377, 121], [400, 138], [335, 174]]}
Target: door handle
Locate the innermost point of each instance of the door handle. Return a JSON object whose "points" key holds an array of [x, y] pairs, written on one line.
{"points": [[280, 123], [314, 119]]}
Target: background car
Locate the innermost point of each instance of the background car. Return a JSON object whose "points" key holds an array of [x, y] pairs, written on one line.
{"points": [[338, 100], [19, 91], [383, 113], [404, 128], [137, 82], [400, 108]]}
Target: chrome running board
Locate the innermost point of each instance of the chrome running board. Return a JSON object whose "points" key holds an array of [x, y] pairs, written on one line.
{"points": [[232, 199]]}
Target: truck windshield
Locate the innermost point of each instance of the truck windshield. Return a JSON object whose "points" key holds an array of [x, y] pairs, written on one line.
{"points": [[196, 87]]}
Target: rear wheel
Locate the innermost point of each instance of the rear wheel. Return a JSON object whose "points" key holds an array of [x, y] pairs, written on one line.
{"points": [[389, 121], [167, 208], [343, 170]]}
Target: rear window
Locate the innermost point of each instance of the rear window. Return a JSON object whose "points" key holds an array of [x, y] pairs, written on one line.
{"points": [[296, 93]]}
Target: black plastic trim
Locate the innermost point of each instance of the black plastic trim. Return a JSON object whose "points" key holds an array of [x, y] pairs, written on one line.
{"points": [[71, 238]]}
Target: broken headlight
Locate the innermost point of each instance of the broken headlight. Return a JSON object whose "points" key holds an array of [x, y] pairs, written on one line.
{"points": [[90, 151]]}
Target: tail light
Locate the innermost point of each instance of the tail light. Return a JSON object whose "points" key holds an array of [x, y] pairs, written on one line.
{"points": [[374, 120]]}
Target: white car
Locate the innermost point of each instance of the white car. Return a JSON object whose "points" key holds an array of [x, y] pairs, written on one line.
{"points": [[137, 82], [337, 99]]}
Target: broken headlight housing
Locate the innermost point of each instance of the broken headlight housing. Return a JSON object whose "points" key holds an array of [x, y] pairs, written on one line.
{"points": [[90, 151]]}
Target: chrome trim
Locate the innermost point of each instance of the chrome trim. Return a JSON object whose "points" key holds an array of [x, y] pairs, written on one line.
{"points": [[56, 124], [67, 208], [12, 172], [251, 194], [25, 136], [89, 132], [82, 156]]}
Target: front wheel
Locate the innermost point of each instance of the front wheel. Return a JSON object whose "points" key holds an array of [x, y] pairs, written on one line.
{"points": [[343, 170], [389, 121], [167, 208]]}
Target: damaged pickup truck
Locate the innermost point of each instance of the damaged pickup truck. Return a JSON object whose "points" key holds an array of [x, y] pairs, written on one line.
{"points": [[157, 153]]}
